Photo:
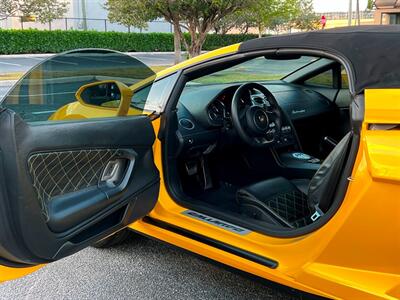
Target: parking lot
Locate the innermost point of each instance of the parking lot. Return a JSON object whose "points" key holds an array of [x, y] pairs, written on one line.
{"points": [[139, 269]]}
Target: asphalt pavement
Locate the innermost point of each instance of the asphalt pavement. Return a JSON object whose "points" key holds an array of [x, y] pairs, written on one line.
{"points": [[139, 269]]}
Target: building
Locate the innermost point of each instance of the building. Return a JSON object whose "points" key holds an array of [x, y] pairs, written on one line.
{"points": [[92, 15], [84, 15], [387, 12]]}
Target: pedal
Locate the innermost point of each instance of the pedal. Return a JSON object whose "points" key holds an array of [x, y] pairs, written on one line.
{"points": [[205, 174], [191, 168]]}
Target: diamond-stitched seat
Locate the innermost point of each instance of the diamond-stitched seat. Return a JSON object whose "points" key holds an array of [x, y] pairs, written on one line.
{"points": [[276, 200], [291, 206], [292, 203]]}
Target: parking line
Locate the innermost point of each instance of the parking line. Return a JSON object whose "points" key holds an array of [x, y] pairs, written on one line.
{"points": [[10, 64]]}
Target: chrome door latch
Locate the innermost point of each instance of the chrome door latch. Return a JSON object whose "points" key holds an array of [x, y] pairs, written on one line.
{"points": [[113, 171]]}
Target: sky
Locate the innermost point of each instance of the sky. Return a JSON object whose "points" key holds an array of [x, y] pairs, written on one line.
{"points": [[336, 5]]}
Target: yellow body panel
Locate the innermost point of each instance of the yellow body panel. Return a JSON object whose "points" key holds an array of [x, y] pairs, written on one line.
{"points": [[77, 111], [14, 273], [382, 106], [354, 256], [199, 59]]}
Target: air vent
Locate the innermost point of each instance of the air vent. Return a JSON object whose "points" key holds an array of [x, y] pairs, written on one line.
{"points": [[186, 123], [216, 111]]}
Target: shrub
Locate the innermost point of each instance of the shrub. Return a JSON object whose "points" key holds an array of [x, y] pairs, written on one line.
{"points": [[42, 41]]}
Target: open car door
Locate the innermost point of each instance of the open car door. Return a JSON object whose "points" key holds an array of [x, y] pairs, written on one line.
{"points": [[67, 184]]}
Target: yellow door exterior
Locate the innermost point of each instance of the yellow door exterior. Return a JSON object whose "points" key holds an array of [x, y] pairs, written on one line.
{"points": [[353, 256], [14, 273]]}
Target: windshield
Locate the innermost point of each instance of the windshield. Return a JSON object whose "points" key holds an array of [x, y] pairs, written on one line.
{"points": [[257, 69]]}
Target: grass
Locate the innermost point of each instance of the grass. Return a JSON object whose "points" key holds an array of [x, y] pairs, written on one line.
{"points": [[158, 68], [228, 77], [236, 77], [11, 76]]}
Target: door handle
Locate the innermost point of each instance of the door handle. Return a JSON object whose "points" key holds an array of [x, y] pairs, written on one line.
{"points": [[113, 171], [66, 211], [117, 173]]}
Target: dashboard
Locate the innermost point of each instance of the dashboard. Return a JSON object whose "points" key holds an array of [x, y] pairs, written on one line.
{"points": [[203, 110]]}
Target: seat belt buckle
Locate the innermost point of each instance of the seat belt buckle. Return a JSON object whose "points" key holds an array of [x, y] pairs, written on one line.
{"points": [[317, 214]]}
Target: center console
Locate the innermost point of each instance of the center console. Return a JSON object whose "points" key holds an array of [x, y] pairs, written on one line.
{"points": [[298, 158], [299, 164]]}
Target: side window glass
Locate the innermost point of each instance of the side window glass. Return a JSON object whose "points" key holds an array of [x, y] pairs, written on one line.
{"points": [[324, 79], [139, 97], [345, 79], [49, 90], [154, 98]]}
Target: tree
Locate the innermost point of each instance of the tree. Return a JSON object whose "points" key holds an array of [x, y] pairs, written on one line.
{"points": [[48, 10], [8, 8], [237, 21], [272, 13], [197, 17], [370, 4], [306, 19], [121, 12], [276, 15], [263, 14], [45, 10]]}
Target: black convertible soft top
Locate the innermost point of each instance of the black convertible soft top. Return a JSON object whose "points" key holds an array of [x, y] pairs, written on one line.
{"points": [[373, 52]]}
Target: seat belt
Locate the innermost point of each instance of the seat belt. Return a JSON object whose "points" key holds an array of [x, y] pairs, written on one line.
{"points": [[317, 214]]}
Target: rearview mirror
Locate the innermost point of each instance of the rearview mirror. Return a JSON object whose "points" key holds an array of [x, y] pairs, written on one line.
{"points": [[108, 94]]}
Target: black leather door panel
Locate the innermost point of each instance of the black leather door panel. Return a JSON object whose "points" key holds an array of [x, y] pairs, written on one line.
{"points": [[56, 194], [70, 185]]}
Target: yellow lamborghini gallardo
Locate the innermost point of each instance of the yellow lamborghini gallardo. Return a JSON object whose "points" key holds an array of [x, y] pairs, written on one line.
{"points": [[279, 156]]}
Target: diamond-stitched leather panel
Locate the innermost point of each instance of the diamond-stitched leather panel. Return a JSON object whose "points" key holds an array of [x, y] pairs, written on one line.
{"points": [[59, 173], [291, 206]]}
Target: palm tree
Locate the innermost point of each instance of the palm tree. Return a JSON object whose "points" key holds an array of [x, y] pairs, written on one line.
{"points": [[350, 12], [358, 12], [358, 19]]}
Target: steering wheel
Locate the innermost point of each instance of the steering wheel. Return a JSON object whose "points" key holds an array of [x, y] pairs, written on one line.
{"points": [[256, 117]]}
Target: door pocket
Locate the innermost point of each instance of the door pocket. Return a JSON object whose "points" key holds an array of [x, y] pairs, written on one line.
{"points": [[74, 185]]}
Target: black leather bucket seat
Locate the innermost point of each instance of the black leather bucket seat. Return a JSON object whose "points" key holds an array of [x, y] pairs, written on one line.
{"points": [[283, 202]]}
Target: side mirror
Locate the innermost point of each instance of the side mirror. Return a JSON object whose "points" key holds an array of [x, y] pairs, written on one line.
{"points": [[107, 94]]}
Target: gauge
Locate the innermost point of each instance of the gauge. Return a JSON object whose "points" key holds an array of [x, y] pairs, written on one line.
{"points": [[258, 100]]}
